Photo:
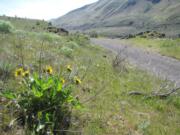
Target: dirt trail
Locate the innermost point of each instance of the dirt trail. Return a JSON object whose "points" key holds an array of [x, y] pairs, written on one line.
{"points": [[163, 66]]}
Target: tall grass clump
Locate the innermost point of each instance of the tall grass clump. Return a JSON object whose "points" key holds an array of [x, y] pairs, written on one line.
{"points": [[6, 27], [5, 70], [43, 102]]}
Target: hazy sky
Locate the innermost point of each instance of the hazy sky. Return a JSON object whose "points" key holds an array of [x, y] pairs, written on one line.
{"points": [[40, 9]]}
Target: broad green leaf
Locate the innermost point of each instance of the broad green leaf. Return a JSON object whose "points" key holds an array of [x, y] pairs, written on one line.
{"points": [[46, 84], [70, 99], [36, 92], [53, 93], [59, 87], [36, 79]]}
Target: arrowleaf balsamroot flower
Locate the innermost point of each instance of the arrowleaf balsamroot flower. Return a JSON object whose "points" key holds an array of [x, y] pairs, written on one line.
{"points": [[77, 80], [63, 81], [49, 70], [19, 72], [26, 73], [69, 68]]}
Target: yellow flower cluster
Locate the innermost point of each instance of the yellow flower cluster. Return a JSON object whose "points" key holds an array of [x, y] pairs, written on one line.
{"points": [[76, 79], [20, 72]]}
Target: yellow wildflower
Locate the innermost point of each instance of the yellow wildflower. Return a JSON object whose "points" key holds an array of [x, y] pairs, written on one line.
{"points": [[26, 73], [63, 81], [49, 70], [69, 68], [77, 80], [18, 72]]}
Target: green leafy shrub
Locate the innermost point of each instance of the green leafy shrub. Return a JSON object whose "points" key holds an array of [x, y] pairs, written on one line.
{"points": [[44, 102], [5, 27], [67, 51], [48, 36]]}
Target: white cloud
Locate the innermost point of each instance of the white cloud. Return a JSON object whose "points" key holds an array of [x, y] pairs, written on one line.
{"points": [[44, 9]]}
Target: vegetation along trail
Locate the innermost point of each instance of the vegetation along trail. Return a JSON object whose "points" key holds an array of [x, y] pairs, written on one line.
{"points": [[163, 66]]}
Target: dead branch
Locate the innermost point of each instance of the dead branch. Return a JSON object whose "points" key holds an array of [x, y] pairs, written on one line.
{"points": [[159, 95], [119, 62], [71, 131], [136, 93], [165, 95]]}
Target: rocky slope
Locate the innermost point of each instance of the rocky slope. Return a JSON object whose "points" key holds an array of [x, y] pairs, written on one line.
{"points": [[122, 17]]}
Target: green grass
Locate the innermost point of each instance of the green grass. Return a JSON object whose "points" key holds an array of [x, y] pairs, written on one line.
{"points": [[167, 47], [112, 111]]}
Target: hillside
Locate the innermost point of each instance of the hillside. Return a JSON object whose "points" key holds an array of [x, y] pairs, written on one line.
{"points": [[67, 84], [27, 24], [122, 17]]}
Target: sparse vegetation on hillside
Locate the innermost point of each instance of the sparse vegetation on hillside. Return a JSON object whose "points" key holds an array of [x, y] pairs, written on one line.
{"points": [[118, 18]]}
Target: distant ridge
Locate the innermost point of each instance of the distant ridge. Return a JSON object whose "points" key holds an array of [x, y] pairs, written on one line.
{"points": [[122, 17]]}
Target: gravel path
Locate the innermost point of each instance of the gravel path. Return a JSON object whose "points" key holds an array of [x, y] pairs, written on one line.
{"points": [[163, 66]]}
